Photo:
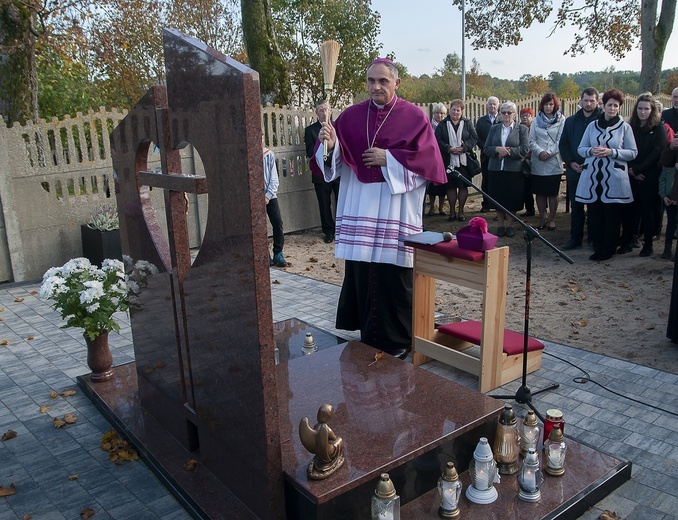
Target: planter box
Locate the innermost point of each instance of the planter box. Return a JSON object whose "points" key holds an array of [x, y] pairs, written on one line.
{"points": [[98, 245]]}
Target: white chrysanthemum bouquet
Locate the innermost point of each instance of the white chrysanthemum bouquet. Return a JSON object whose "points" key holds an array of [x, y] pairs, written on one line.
{"points": [[87, 296]]}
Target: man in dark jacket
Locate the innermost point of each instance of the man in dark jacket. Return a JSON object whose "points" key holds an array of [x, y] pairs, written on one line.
{"points": [[670, 115], [483, 125], [323, 190], [573, 131]]}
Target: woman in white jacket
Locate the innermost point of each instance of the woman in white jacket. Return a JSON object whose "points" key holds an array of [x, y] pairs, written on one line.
{"points": [[546, 164], [608, 144]]}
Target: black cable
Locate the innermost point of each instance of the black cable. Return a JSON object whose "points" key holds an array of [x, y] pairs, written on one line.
{"points": [[587, 379]]}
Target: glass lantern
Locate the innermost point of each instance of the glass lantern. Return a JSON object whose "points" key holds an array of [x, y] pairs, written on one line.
{"points": [[484, 474], [530, 478], [554, 450], [507, 442], [529, 436], [449, 487], [309, 346], [385, 502]]}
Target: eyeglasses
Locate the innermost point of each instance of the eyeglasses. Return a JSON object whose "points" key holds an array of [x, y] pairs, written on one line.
{"points": [[507, 113]]}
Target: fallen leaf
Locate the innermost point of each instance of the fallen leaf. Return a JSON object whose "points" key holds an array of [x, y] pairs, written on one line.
{"points": [[44, 409], [583, 323], [119, 450], [74, 477], [575, 289], [148, 370], [583, 297], [34, 292], [2, 319], [30, 338], [58, 423], [2, 310], [26, 517], [53, 394], [629, 298], [87, 513], [609, 515], [5, 492], [18, 300], [68, 393], [313, 259], [191, 465], [309, 268], [277, 282], [650, 327], [9, 434], [69, 418], [4, 342]]}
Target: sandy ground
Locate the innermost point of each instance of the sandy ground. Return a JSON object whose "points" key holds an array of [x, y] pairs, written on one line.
{"points": [[618, 307]]}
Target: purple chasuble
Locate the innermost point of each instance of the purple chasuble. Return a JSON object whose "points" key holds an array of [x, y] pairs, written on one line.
{"points": [[405, 132]]}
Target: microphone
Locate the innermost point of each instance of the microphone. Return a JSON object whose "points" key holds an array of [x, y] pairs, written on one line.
{"points": [[453, 172]]}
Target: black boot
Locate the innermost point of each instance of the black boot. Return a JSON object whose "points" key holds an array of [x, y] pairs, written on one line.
{"points": [[647, 249]]}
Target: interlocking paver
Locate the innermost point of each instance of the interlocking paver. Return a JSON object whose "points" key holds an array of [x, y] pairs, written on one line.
{"points": [[41, 458]]}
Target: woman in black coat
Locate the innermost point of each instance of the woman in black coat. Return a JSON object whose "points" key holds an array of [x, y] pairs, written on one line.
{"points": [[457, 137], [644, 171], [507, 145]]}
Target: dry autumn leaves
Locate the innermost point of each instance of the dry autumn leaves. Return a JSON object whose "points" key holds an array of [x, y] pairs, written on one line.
{"points": [[119, 450]]}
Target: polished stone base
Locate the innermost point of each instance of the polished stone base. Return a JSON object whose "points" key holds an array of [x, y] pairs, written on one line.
{"points": [[392, 417], [590, 475]]}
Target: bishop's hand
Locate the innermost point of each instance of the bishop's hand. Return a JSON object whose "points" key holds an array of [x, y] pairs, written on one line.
{"points": [[329, 134]]}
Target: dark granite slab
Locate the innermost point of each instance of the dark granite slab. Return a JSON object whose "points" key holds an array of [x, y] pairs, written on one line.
{"points": [[201, 493], [290, 335], [590, 475], [389, 414]]}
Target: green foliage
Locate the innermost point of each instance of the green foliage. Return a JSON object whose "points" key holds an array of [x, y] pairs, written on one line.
{"points": [[64, 85], [104, 219], [302, 25]]}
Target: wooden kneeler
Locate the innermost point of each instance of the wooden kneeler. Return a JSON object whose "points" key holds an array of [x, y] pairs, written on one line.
{"points": [[464, 334], [486, 272]]}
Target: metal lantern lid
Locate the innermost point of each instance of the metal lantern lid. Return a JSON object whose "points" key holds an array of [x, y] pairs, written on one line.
{"points": [[530, 419], [483, 452], [450, 473], [385, 488], [532, 458], [556, 434], [508, 416], [309, 342]]}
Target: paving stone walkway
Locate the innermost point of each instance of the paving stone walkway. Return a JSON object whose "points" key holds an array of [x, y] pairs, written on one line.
{"points": [[41, 357]]}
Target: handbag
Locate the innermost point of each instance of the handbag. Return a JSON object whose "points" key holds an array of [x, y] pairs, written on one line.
{"points": [[472, 163]]}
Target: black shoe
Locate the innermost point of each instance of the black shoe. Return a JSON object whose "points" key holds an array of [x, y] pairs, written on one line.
{"points": [[570, 245], [647, 250], [400, 353], [626, 248], [599, 257], [329, 238], [666, 255], [527, 214]]}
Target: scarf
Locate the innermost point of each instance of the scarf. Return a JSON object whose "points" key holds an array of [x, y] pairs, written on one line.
{"points": [[543, 121], [456, 140], [604, 123]]}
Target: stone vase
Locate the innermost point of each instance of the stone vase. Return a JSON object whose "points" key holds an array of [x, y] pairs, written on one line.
{"points": [[99, 358]]}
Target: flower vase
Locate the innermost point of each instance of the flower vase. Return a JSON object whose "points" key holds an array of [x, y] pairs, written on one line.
{"points": [[99, 358]]}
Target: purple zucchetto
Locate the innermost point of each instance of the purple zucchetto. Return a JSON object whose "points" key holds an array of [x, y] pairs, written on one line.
{"points": [[382, 60]]}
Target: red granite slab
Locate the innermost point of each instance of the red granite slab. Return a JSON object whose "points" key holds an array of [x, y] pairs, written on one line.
{"points": [[590, 475], [387, 413]]}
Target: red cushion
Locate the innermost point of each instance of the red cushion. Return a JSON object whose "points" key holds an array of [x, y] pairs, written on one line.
{"points": [[451, 249], [471, 330]]}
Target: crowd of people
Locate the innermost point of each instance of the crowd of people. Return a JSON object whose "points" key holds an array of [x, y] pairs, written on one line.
{"points": [[619, 174], [381, 157]]}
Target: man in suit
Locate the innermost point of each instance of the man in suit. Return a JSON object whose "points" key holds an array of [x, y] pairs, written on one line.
{"points": [[323, 189], [483, 125]]}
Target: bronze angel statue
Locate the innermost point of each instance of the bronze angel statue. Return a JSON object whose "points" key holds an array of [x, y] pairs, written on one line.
{"points": [[323, 443]]}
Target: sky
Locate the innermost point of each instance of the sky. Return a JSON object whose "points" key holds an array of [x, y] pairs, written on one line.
{"points": [[422, 37]]}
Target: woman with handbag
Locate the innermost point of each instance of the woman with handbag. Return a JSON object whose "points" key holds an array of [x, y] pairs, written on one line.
{"points": [[456, 138]]}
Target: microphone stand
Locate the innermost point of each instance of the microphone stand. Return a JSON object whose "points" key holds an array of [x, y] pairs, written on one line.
{"points": [[524, 394]]}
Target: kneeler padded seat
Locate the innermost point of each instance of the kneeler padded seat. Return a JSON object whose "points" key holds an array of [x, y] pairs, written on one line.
{"points": [[500, 354], [470, 333]]}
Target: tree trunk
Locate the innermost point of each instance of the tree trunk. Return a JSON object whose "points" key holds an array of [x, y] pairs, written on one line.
{"points": [[654, 37], [18, 77], [263, 53]]}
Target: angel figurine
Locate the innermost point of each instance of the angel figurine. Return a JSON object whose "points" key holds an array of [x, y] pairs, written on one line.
{"points": [[323, 443]]}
